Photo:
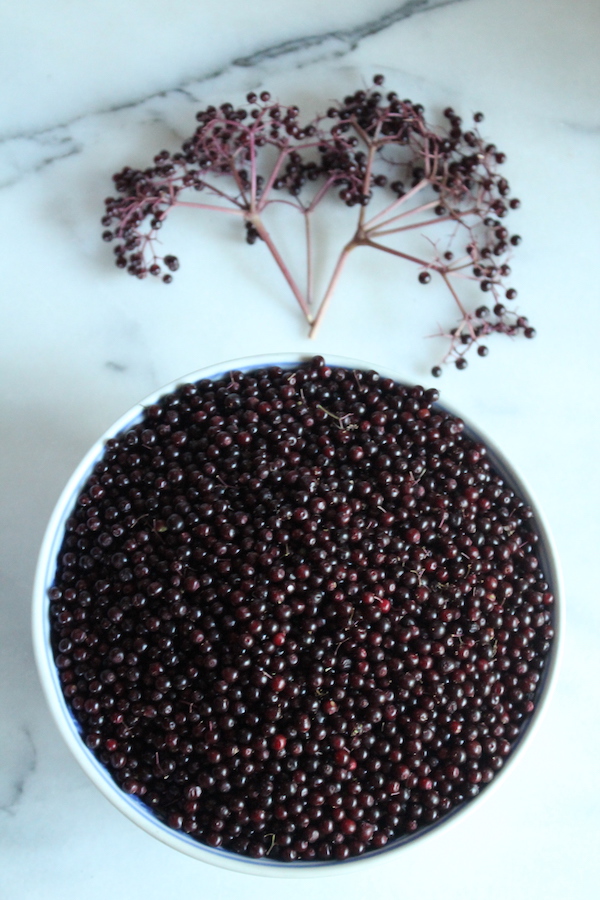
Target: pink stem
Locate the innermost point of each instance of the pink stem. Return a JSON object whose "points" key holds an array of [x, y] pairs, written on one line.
{"points": [[331, 288], [408, 196], [437, 219], [320, 193], [264, 234], [276, 168], [464, 313], [420, 262], [252, 173], [212, 208], [309, 272], [237, 180], [219, 193], [367, 179]]}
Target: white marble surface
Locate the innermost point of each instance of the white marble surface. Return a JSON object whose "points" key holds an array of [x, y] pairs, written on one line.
{"points": [[89, 87]]}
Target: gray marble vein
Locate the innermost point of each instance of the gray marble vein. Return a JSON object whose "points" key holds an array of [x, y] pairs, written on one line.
{"points": [[27, 154], [30, 152], [588, 129], [349, 37], [23, 766]]}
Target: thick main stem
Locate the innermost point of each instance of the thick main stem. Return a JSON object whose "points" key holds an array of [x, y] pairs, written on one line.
{"points": [[264, 234], [309, 267], [350, 245], [331, 287]]}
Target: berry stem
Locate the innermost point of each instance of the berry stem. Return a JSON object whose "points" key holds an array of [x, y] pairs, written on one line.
{"points": [[217, 192], [331, 287], [380, 230], [266, 237], [212, 207], [372, 145], [264, 199], [463, 311], [398, 202], [408, 212], [323, 190], [253, 173], [309, 264], [367, 242]]}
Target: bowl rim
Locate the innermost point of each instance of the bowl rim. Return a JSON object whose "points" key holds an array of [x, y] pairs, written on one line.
{"points": [[132, 807]]}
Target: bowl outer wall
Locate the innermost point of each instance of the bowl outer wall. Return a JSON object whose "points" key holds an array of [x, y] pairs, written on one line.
{"points": [[132, 807]]}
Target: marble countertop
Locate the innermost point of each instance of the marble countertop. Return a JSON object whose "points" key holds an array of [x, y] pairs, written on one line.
{"points": [[88, 88]]}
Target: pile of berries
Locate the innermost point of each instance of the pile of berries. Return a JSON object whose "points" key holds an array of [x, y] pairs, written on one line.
{"points": [[299, 613]]}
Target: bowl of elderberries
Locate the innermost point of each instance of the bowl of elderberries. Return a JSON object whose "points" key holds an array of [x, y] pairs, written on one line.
{"points": [[294, 614]]}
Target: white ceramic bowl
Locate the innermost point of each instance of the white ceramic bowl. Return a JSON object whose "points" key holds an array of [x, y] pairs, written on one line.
{"points": [[132, 806]]}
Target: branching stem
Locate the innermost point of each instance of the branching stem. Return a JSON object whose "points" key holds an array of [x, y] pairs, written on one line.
{"points": [[367, 242], [398, 202], [371, 145]]}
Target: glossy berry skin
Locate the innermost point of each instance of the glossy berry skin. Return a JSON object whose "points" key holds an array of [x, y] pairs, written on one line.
{"points": [[299, 614]]}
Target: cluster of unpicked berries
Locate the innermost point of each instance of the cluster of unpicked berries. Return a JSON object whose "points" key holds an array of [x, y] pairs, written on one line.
{"points": [[373, 152], [299, 613]]}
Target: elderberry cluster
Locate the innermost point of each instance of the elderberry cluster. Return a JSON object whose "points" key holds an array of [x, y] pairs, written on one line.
{"points": [[483, 322], [371, 149], [298, 612]]}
